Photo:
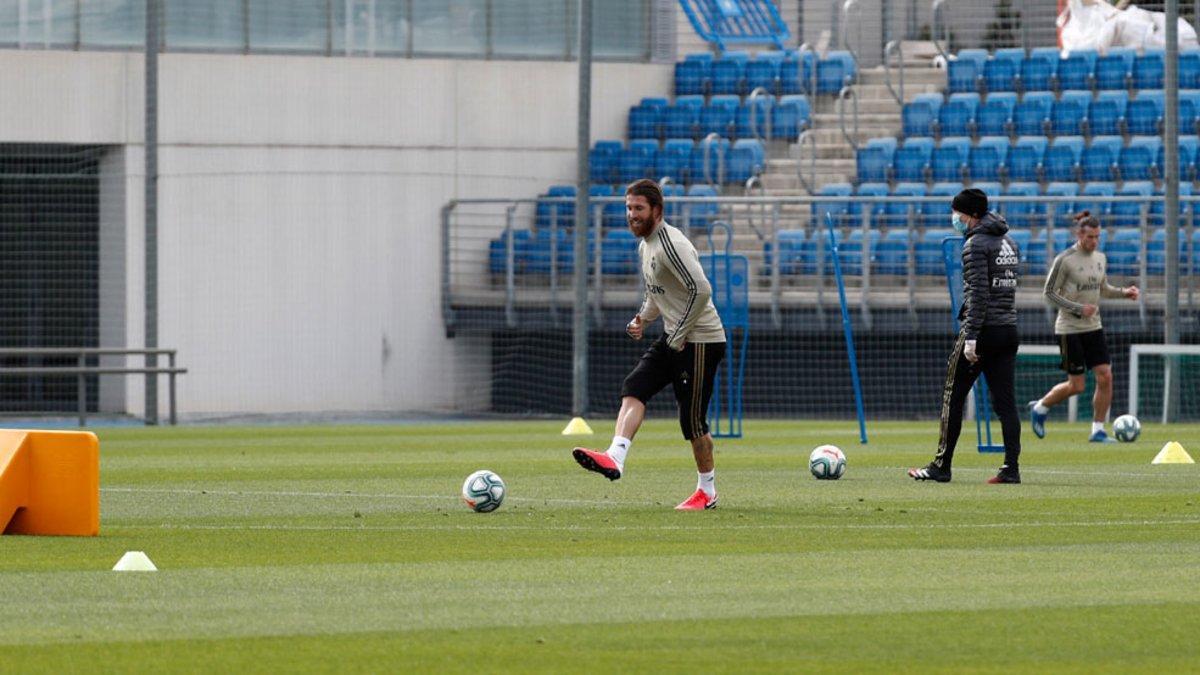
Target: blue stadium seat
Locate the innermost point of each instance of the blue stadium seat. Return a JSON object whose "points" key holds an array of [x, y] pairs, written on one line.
{"points": [[891, 253], [957, 116], [1189, 155], [751, 119], [1069, 113], [1023, 214], [1139, 159], [1189, 69], [790, 117], [937, 214], [1039, 69], [949, 159], [1037, 257], [700, 216], [550, 249], [875, 159], [644, 122], [1077, 70], [965, 70], [671, 208], [1022, 238], [988, 158], [729, 73], [1124, 252], [1189, 111], [1114, 70], [746, 158], [791, 253], [1156, 258], [1148, 70], [553, 213], [681, 121], [835, 71], [1032, 115], [1101, 208], [1002, 71], [912, 159], [602, 161], [1185, 210], [693, 75], [1062, 158], [876, 209], [709, 172], [930, 260], [919, 115], [674, 159], [1026, 157], [903, 214], [1129, 214], [1062, 189], [1144, 114], [1100, 158], [763, 72], [619, 253], [994, 117], [718, 116], [796, 72], [612, 216], [856, 248], [498, 252], [637, 161], [1106, 114], [838, 208]]}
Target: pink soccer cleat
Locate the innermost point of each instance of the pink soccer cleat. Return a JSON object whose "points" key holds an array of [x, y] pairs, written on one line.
{"points": [[697, 502], [599, 462]]}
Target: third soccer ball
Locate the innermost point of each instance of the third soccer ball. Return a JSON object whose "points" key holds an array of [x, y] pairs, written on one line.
{"points": [[827, 462], [1127, 428], [483, 491]]}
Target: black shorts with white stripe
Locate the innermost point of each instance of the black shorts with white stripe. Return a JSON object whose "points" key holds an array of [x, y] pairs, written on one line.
{"points": [[689, 372]]}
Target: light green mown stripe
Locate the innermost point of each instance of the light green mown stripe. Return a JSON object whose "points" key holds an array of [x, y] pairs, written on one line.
{"points": [[326, 599]]}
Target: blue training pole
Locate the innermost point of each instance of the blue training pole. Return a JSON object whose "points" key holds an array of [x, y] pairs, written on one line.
{"points": [[837, 273]]}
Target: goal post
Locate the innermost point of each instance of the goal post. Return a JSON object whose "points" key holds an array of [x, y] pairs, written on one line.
{"points": [[1164, 376]]}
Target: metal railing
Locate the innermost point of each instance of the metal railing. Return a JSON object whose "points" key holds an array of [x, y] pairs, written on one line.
{"points": [[490, 268], [807, 138], [81, 370], [752, 100], [848, 93], [896, 46]]}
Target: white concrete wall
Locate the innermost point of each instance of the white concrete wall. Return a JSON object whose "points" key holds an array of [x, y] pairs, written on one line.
{"points": [[299, 238]]}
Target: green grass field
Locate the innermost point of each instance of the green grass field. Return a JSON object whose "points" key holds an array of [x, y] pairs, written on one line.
{"points": [[346, 549]]}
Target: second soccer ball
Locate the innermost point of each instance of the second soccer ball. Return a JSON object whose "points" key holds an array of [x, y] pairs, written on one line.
{"points": [[827, 462]]}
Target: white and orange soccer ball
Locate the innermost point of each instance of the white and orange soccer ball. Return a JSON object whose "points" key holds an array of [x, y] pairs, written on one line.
{"points": [[483, 491], [827, 462]]}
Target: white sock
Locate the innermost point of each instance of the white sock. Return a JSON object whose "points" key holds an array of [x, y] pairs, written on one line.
{"points": [[708, 483], [1041, 408], [1097, 426], [618, 450]]}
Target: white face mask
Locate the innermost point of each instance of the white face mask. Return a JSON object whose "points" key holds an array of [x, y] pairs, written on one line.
{"points": [[957, 223]]}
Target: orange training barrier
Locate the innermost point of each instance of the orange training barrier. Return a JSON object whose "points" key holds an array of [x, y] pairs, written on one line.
{"points": [[49, 482]]}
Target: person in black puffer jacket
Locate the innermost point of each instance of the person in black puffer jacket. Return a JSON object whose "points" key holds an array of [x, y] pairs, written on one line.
{"points": [[987, 342]]}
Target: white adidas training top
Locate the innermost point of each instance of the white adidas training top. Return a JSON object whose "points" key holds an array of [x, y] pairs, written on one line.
{"points": [[677, 289]]}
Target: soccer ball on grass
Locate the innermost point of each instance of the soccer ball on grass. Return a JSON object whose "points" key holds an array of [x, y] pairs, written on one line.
{"points": [[827, 462], [483, 491], [1127, 428]]}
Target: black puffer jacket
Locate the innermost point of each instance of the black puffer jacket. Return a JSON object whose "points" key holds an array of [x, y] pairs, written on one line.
{"points": [[989, 258]]}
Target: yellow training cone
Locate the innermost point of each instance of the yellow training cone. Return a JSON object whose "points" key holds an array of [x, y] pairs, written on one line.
{"points": [[577, 427], [1172, 453]]}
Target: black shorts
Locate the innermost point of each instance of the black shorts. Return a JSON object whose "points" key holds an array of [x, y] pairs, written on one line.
{"points": [[1083, 351], [690, 373]]}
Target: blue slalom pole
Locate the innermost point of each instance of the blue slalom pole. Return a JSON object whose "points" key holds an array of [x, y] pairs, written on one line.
{"points": [[837, 273]]}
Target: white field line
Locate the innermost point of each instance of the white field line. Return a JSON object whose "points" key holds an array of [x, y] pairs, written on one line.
{"points": [[359, 495], [707, 528]]}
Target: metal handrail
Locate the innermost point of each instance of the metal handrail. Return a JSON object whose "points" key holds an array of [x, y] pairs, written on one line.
{"points": [[846, 8], [707, 143], [811, 88], [752, 102], [751, 183], [936, 21], [848, 92], [894, 46], [807, 137]]}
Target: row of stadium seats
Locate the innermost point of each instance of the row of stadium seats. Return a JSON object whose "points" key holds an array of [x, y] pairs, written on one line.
{"points": [[728, 115], [1044, 69], [1020, 214], [888, 254], [1073, 113], [779, 72], [1029, 158], [553, 212], [681, 159]]}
